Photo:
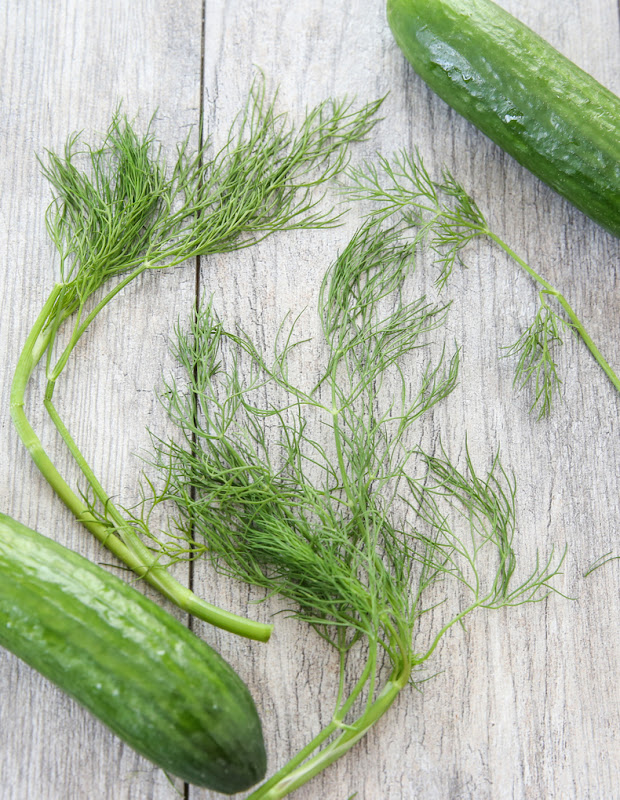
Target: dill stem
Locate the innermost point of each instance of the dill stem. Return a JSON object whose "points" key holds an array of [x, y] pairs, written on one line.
{"points": [[575, 321], [461, 615], [295, 774], [264, 791], [132, 553], [80, 327], [335, 413]]}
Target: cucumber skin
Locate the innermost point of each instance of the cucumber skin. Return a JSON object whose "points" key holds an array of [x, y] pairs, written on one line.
{"points": [[551, 116], [139, 670]]}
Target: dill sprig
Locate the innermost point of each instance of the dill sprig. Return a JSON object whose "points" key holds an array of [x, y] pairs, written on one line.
{"points": [[447, 219], [442, 213], [119, 210], [325, 497], [535, 358], [600, 562]]}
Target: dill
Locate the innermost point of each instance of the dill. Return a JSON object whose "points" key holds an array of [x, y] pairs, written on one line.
{"points": [[119, 210], [324, 497], [447, 218], [536, 359], [600, 562]]}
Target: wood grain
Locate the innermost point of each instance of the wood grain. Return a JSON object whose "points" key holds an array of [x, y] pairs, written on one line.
{"points": [[66, 66], [526, 702]]}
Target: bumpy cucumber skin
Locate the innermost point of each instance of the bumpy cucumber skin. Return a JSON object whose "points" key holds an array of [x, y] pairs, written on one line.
{"points": [[158, 686], [538, 106]]}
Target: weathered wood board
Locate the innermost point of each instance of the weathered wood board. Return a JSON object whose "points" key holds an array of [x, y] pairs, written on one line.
{"points": [[526, 702]]}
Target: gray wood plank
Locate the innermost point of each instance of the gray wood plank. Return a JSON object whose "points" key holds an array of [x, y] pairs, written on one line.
{"points": [[526, 702], [66, 66]]}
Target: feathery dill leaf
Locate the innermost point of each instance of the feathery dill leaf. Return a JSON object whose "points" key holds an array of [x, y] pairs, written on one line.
{"points": [[325, 497], [600, 562], [446, 218], [535, 358], [442, 213], [119, 209]]}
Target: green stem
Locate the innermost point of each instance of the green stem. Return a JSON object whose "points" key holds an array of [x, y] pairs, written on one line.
{"points": [[296, 774], [323, 735], [575, 321], [131, 552], [82, 325], [461, 615]]}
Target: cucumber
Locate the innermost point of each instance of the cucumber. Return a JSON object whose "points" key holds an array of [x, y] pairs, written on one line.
{"points": [[542, 109], [139, 670]]}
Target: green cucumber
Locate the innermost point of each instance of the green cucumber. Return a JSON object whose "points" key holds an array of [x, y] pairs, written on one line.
{"points": [[538, 106], [139, 670]]}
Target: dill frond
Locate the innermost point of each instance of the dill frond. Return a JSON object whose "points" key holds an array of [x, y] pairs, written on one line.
{"points": [[443, 216], [600, 562], [441, 212], [325, 498], [534, 351], [119, 209]]}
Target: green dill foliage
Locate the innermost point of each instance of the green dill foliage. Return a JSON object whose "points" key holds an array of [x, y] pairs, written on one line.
{"points": [[600, 562], [534, 351], [325, 497], [442, 213], [119, 209], [447, 219]]}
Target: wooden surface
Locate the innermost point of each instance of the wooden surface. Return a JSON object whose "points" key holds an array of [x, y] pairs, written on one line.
{"points": [[527, 702]]}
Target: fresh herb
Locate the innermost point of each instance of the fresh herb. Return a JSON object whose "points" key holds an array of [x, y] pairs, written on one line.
{"points": [[325, 496], [119, 210], [600, 562], [536, 359], [448, 219]]}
